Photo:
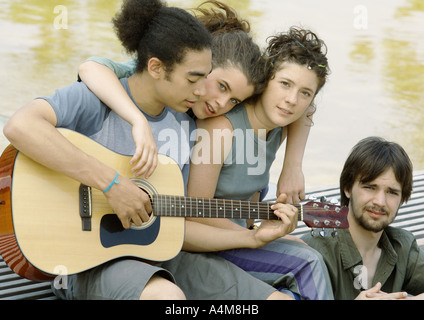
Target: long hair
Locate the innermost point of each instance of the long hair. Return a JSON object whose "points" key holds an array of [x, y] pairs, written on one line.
{"points": [[232, 44]]}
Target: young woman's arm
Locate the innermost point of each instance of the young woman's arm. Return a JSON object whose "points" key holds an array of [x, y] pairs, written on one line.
{"points": [[101, 79], [201, 237], [204, 234], [292, 181], [208, 156]]}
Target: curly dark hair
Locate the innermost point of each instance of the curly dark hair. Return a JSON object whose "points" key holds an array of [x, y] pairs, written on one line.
{"points": [[299, 46], [149, 29]]}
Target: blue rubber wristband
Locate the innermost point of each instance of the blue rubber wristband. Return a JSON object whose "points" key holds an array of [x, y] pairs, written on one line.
{"points": [[112, 183]]}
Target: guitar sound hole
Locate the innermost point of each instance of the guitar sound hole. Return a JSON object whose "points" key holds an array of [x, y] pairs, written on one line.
{"points": [[152, 218], [149, 189], [144, 224]]}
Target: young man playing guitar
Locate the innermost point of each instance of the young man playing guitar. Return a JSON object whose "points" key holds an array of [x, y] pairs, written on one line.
{"points": [[174, 78]]}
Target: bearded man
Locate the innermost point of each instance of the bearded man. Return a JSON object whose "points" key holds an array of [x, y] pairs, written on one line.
{"points": [[372, 260]]}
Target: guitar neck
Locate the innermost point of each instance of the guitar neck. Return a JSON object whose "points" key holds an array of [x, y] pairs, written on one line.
{"points": [[177, 206]]}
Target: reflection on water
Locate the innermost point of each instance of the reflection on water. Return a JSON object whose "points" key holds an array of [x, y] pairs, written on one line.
{"points": [[404, 81], [400, 61], [376, 55]]}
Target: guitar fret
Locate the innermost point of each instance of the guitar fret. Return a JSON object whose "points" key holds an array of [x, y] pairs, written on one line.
{"points": [[221, 210], [182, 206], [216, 207], [169, 199], [178, 206], [259, 210], [171, 206], [232, 210], [313, 215], [269, 207], [241, 210], [174, 205], [240, 207], [164, 203], [168, 205]]}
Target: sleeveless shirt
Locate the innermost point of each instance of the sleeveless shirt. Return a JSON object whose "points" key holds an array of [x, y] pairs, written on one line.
{"points": [[246, 169]]}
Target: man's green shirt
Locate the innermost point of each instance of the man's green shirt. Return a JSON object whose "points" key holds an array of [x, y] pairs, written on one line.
{"points": [[400, 268]]}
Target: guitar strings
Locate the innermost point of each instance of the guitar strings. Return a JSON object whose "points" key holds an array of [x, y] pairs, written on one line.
{"points": [[212, 204], [218, 208]]}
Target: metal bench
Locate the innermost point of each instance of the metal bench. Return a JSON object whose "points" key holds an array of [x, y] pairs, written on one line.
{"points": [[410, 217]]}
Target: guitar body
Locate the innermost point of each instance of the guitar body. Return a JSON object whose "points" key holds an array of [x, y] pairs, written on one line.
{"points": [[41, 232]]}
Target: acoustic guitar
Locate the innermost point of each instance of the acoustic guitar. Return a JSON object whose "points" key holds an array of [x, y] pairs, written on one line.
{"points": [[50, 222]]}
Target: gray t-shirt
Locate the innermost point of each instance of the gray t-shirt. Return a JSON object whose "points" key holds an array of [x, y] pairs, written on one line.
{"points": [[78, 109]]}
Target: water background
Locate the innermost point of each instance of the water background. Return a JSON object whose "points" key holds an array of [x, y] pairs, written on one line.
{"points": [[376, 54]]}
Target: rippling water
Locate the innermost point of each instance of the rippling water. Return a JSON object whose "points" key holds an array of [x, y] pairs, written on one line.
{"points": [[376, 53]]}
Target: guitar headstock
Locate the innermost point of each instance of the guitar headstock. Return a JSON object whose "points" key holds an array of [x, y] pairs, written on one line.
{"points": [[325, 215]]}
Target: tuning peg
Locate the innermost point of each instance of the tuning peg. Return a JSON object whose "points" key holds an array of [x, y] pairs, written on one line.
{"points": [[334, 201], [323, 233], [313, 233], [323, 199], [312, 197], [334, 233]]}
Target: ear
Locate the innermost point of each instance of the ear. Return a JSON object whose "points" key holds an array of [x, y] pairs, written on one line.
{"points": [[155, 68], [347, 193]]}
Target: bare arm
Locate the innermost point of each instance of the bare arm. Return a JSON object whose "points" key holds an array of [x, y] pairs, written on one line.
{"points": [[204, 235], [206, 166], [291, 181], [103, 82], [32, 131]]}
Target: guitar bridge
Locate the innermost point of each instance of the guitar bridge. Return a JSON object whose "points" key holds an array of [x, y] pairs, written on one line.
{"points": [[85, 207]]}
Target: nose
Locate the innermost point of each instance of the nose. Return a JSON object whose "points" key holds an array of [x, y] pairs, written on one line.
{"points": [[200, 89], [380, 198], [223, 100], [291, 97]]}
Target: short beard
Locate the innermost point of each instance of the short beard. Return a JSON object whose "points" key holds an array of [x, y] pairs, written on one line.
{"points": [[368, 224]]}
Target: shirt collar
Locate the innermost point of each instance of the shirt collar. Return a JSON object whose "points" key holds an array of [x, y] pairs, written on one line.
{"points": [[350, 255]]}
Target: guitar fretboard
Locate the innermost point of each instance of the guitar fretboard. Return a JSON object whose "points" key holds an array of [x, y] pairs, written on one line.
{"points": [[177, 206]]}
